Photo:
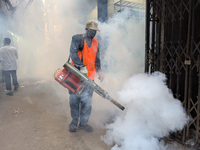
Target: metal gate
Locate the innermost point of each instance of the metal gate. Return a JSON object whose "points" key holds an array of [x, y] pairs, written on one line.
{"points": [[173, 47]]}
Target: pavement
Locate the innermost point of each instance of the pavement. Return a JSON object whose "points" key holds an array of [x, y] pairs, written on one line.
{"points": [[37, 117]]}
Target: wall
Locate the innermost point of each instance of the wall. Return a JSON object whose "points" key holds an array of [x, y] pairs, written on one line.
{"points": [[111, 10]]}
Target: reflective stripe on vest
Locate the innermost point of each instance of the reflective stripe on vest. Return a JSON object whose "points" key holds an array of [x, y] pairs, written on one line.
{"points": [[88, 55]]}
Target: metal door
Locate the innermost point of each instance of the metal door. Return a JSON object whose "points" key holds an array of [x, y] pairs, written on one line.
{"points": [[173, 47]]}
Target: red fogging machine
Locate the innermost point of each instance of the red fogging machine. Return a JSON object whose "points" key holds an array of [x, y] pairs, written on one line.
{"points": [[71, 78]]}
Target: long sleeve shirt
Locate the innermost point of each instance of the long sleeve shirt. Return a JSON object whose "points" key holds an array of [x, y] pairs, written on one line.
{"points": [[8, 57]]}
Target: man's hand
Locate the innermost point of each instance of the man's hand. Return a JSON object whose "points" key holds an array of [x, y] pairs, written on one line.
{"points": [[101, 76], [84, 71]]}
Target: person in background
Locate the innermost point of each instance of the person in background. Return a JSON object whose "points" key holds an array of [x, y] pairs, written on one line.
{"points": [[8, 60], [85, 55], [2, 76]]}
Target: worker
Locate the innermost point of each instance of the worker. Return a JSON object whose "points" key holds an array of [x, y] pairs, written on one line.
{"points": [[8, 60], [85, 55]]}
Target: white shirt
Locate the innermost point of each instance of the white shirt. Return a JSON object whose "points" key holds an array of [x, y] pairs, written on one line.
{"points": [[8, 56]]}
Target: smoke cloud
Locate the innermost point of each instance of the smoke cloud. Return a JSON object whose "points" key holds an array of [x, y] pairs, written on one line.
{"points": [[122, 40], [122, 44], [151, 113], [42, 32]]}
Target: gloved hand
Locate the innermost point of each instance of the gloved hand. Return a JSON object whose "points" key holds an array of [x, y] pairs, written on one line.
{"points": [[84, 71], [101, 76]]}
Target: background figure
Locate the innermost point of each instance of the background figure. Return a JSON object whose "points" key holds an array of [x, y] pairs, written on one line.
{"points": [[84, 52], [2, 77], [8, 59]]}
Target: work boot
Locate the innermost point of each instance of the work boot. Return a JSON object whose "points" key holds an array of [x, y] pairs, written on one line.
{"points": [[9, 93], [86, 127], [16, 87], [73, 126]]}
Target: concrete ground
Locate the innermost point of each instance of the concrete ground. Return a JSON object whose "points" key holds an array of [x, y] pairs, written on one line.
{"points": [[37, 117]]}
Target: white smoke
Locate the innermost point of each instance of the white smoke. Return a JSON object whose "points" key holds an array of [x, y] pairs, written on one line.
{"points": [[44, 30], [151, 113], [123, 39], [122, 44]]}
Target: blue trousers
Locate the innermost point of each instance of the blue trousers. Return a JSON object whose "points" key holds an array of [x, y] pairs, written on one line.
{"points": [[7, 75], [81, 105]]}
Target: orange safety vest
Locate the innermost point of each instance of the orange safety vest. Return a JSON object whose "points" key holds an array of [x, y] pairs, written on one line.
{"points": [[88, 55]]}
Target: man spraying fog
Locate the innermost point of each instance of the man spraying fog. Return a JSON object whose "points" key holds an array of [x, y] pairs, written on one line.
{"points": [[85, 55], [8, 60]]}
